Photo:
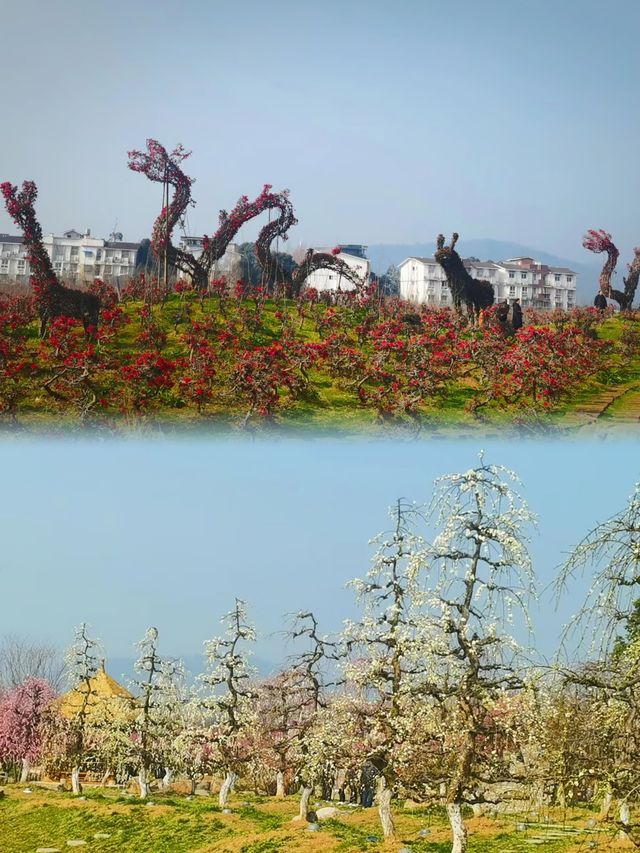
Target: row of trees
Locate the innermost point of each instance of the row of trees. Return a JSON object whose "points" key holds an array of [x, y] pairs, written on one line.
{"points": [[252, 356], [430, 693]]}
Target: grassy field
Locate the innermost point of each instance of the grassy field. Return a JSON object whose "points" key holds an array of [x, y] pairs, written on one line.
{"points": [[111, 823]]}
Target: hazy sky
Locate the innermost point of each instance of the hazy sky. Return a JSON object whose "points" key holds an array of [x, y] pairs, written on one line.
{"points": [[129, 534], [389, 122]]}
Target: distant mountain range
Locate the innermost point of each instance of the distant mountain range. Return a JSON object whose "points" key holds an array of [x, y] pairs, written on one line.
{"points": [[122, 668], [382, 255]]}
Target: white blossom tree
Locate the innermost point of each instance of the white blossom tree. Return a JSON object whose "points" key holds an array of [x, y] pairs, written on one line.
{"points": [[230, 694], [310, 665], [382, 663], [155, 723], [610, 554], [436, 653], [479, 583], [83, 661], [191, 751]]}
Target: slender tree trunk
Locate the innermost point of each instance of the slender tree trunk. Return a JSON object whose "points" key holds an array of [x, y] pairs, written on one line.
{"points": [[193, 787], [167, 779], [105, 777], [625, 817], [26, 766], [227, 787], [76, 787], [561, 797], [458, 829], [280, 785], [304, 801], [607, 802], [384, 810], [143, 783]]}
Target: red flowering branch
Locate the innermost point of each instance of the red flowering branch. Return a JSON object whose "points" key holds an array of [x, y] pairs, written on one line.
{"points": [[20, 206], [272, 230], [229, 224], [161, 166], [328, 261]]}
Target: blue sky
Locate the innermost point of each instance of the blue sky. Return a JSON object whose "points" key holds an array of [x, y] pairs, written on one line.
{"points": [[128, 534], [389, 122]]}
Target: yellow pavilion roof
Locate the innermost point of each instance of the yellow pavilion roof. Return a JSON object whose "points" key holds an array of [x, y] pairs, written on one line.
{"points": [[101, 694]]}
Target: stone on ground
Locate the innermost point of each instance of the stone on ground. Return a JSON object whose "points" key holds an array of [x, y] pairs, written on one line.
{"points": [[327, 813]]}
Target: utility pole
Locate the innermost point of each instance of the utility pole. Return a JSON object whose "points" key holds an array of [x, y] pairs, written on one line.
{"points": [[166, 232]]}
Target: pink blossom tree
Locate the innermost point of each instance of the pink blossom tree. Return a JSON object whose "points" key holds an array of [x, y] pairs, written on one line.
{"points": [[600, 241], [21, 723]]}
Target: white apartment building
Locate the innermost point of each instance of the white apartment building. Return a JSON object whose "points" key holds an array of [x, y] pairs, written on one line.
{"points": [[536, 285], [229, 264], [325, 279], [75, 257]]}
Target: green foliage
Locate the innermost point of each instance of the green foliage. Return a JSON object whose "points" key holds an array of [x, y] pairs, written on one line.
{"points": [[264, 820]]}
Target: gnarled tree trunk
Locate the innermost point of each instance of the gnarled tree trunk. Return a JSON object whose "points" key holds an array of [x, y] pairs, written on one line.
{"points": [[625, 817], [607, 802], [458, 829], [76, 787], [143, 783], [305, 795], [26, 766], [384, 810], [227, 787], [280, 793]]}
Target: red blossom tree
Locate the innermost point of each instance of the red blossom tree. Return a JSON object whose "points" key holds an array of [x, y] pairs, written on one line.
{"points": [[164, 167]]}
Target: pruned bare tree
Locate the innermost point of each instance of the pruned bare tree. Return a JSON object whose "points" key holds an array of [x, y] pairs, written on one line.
{"points": [[22, 658]]}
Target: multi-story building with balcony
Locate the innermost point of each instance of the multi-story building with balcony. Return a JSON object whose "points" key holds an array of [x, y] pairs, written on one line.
{"points": [[75, 257], [229, 265], [353, 256], [536, 285]]}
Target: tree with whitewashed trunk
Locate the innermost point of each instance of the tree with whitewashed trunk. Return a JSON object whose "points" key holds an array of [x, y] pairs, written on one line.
{"points": [[436, 653], [381, 663], [478, 584], [82, 661], [611, 554], [310, 664], [23, 711], [157, 715], [230, 694]]}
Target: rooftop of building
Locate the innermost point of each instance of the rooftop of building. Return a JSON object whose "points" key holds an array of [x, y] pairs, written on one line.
{"points": [[506, 265], [91, 697]]}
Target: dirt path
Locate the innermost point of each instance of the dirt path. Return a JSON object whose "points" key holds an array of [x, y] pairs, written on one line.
{"points": [[613, 409]]}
